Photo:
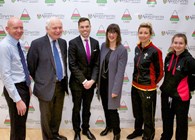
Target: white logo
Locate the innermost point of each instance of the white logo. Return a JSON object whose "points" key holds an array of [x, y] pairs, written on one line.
{"points": [[145, 55]]}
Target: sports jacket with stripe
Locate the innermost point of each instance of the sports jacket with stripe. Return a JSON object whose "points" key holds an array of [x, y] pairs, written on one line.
{"points": [[148, 67]]}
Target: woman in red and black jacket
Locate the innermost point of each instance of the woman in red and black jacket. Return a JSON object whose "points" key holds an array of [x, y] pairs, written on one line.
{"points": [[148, 71], [179, 70]]}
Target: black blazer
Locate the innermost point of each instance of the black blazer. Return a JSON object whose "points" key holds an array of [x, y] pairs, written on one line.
{"points": [[41, 66], [78, 64]]}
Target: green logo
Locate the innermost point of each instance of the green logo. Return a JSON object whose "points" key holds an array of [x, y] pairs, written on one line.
{"points": [[101, 1], [50, 1]]}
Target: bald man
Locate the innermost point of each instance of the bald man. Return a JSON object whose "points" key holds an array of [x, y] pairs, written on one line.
{"points": [[47, 63], [15, 80]]}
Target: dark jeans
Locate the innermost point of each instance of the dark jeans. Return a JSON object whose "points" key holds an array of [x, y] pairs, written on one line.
{"points": [[51, 113], [18, 123], [144, 107], [84, 98], [171, 107], [111, 116]]}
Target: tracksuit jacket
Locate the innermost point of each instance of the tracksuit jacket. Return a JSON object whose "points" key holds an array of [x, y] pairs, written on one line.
{"points": [[148, 67], [179, 77]]}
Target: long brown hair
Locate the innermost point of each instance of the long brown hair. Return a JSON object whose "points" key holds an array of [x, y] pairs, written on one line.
{"points": [[113, 28]]}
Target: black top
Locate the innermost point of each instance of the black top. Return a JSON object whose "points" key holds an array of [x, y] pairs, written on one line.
{"points": [[104, 71]]}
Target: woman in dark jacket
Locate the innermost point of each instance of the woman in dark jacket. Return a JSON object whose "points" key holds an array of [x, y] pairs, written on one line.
{"points": [[179, 70], [148, 71], [113, 60]]}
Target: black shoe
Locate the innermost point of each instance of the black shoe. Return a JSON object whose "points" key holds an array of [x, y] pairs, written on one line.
{"points": [[135, 134], [60, 137], [77, 136], [106, 131], [89, 135], [117, 137]]}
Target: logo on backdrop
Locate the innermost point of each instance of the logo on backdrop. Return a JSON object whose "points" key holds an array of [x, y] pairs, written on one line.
{"points": [[192, 17], [151, 17], [123, 106], [127, 32], [125, 79], [182, 2], [193, 34], [99, 121], [151, 3], [101, 2], [67, 121], [101, 16], [75, 15], [191, 48], [2, 2], [31, 33], [49, 15], [101, 32], [6, 17], [26, 46], [7, 120], [2, 32], [174, 17], [71, 32], [170, 33], [26, 1], [189, 118], [128, 1], [126, 17], [25, 16], [126, 45], [31, 108], [50, 1]]}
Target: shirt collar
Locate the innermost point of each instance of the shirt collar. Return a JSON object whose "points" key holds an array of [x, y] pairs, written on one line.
{"points": [[51, 40], [12, 40], [83, 39]]}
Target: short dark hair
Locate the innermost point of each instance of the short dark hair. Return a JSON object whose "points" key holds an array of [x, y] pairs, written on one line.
{"points": [[180, 35], [83, 19], [115, 29]]}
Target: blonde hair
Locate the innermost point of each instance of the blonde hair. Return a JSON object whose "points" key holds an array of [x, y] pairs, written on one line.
{"points": [[146, 25]]}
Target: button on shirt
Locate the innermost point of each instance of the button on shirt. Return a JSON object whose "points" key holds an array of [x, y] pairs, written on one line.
{"points": [[11, 70]]}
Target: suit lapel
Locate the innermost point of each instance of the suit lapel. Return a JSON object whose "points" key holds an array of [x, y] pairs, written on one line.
{"points": [[62, 51], [48, 49], [80, 42]]}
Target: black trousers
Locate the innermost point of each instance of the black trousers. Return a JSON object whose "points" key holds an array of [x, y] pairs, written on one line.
{"points": [[51, 113], [111, 116], [171, 107], [81, 98], [18, 123], [144, 107]]}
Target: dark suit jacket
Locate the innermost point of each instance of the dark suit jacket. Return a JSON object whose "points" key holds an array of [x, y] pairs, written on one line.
{"points": [[41, 66], [78, 64]]}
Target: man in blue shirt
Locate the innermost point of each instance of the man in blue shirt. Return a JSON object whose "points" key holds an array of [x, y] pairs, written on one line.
{"points": [[15, 77]]}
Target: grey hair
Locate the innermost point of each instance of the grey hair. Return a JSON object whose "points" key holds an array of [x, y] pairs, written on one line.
{"points": [[48, 22]]}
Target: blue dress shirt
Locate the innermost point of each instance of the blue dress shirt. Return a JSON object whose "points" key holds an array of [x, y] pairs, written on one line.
{"points": [[11, 70]]}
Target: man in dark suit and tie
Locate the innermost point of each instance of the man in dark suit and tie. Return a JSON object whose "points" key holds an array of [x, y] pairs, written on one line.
{"points": [[47, 63], [83, 56]]}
